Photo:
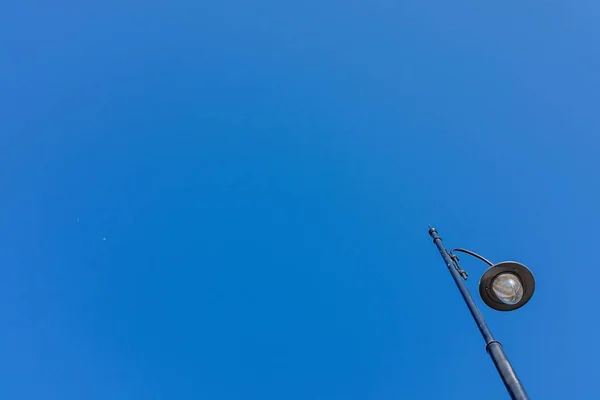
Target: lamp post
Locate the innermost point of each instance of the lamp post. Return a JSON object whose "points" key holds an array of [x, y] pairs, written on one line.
{"points": [[504, 287]]}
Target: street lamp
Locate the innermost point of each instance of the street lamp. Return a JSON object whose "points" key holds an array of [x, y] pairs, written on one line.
{"points": [[505, 286]]}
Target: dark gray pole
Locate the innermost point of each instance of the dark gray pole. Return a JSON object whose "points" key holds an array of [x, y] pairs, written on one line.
{"points": [[493, 347]]}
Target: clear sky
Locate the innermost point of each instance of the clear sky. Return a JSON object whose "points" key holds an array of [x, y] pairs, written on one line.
{"points": [[230, 199]]}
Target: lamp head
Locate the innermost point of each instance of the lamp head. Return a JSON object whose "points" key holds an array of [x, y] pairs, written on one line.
{"points": [[506, 286]]}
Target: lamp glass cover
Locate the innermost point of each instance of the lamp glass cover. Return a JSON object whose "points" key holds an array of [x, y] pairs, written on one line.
{"points": [[508, 288]]}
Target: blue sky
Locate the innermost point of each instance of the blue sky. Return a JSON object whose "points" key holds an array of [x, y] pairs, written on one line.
{"points": [[230, 200]]}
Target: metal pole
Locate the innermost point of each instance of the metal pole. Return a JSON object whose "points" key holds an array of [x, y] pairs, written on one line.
{"points": [[493, 347]]}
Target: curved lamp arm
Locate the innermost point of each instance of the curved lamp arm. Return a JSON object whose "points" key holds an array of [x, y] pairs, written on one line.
{"points": [[472, 253]]}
